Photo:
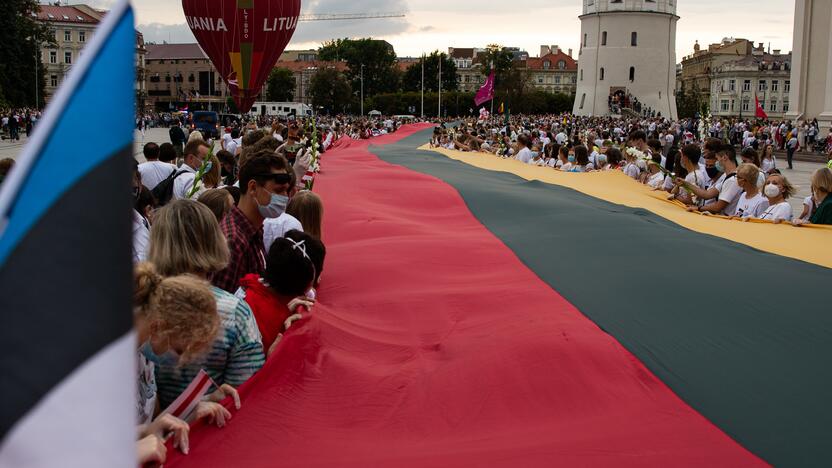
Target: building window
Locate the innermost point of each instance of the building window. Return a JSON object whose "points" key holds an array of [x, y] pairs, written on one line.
{"points": [[67, 36], [584, 40], [539, 80], [746, 105], [582, 74], [82, 36], [773, 106], [557, 79], [67, 57], [53, 81], [746, 85], [723, 105], [547, 64], [762, 104], [762, 85], [634, 39], [785, 106], [574, 79], [632, 73], [583, 98], [732, 85], [53, 56], [602, 74], [561, 65], [787, 86], [775, 86], [604, 38]]}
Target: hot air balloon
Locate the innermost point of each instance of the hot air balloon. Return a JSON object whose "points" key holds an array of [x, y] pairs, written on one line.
{"points": [[243, 38]]}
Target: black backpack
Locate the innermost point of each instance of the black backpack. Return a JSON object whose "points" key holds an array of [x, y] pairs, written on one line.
{"points": [[164, 191]]}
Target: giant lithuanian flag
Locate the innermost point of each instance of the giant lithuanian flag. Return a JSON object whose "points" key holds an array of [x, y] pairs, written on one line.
{"points": [[471, 316]]}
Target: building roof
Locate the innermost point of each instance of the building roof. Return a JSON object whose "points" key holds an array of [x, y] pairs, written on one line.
{"points": [[536, 63], [174, 51], [63, 14], [460, 53], [764, 61]]}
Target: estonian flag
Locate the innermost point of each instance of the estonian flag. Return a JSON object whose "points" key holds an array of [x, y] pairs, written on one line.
{"points": [[69, 359]]}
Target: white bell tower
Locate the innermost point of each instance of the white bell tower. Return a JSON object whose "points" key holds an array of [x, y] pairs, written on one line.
{"points": [[627, 47], [811, 82]]}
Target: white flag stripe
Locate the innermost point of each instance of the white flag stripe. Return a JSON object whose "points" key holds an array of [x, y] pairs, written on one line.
{"points": [[187, 401], [87, 420]]}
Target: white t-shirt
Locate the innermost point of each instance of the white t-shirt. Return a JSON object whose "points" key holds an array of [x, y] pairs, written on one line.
{"points": [[560, 138], [524, 155], [781, 210], [232, 146], [751, 207], [182, 183], [729, 191], [632, 170], [809, 202], [768, 164], [656, 180], [154, 172], [141, 237], [274, 228], [226, 139]]}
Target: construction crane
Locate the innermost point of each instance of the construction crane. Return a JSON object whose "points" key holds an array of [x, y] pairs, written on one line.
{"points": [[350, 16]]}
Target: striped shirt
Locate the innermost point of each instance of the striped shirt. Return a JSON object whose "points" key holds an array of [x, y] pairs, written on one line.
{"points": [[235, 355]]}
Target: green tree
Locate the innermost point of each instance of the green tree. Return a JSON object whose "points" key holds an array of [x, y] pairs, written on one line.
{"points": [[280, 86], [331, 90], [376, 58], [412, 79], [688, 104], [21, 70]]}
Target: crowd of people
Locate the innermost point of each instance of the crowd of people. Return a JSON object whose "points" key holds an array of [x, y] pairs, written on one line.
{"points": [[702, 170], [16, 122], [228, 256]]}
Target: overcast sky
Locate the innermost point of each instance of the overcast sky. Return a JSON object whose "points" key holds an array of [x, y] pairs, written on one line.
{"points": [[431, 25]]}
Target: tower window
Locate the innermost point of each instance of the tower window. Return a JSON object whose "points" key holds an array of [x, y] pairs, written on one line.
{"points": [[583, 98], [602, 74], [632, 73], [584, 40], [582, 74], [604, 38], [634, 39]]}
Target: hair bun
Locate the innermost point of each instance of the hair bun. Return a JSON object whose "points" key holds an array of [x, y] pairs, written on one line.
{"points": [[146, 281]]}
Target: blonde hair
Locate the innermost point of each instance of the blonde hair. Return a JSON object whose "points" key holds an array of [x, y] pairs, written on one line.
{"points": [[195, 135], [822, 180], [307, 207], [182, 306], [748, 172], [186, 238], [217, 201], [211, 179]]}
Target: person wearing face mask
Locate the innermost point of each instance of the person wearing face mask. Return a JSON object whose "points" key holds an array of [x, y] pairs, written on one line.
{"points": [[821, 190], [194, 154], [726, 189], [777, 189], [264, 185], [176, 319]]}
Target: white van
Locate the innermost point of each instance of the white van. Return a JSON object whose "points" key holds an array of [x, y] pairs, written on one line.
{"points": [[281, 109]]}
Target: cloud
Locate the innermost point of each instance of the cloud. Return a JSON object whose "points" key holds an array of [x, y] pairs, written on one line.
{"points": [[426, 29]]}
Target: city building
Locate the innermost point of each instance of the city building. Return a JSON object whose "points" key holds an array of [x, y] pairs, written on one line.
{"points": [[735, 84], [74, 26], [554, 71], [811, 80], [697, 68], [180, 75], [628, 48], [469, 70]]}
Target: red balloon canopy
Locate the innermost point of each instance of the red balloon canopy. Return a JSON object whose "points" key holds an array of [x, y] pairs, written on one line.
{"points": [[243, 38]]}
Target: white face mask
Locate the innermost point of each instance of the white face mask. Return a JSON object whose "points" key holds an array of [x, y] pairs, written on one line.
{"points": [[771, 190]]}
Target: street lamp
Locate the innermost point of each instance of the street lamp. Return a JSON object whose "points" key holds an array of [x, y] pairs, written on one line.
{"points": [[37, 59]]}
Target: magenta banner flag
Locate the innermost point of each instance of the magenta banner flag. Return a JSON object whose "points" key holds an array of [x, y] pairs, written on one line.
{"points": [[486, 93]]}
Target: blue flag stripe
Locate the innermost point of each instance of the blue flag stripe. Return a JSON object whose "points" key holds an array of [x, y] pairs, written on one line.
{"points": [[70, 142]]}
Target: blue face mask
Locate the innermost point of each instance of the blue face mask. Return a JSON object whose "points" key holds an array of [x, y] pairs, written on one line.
{"points": [[720, 167], [169, 358], [275, 208], [571, 158]]}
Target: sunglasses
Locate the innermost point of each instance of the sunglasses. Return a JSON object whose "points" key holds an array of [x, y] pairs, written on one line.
{"points": [[281, 178]]}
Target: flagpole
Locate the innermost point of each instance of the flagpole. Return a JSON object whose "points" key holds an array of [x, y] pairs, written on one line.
{"points": [[440, 86], [494, 88], [423, 85]]}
